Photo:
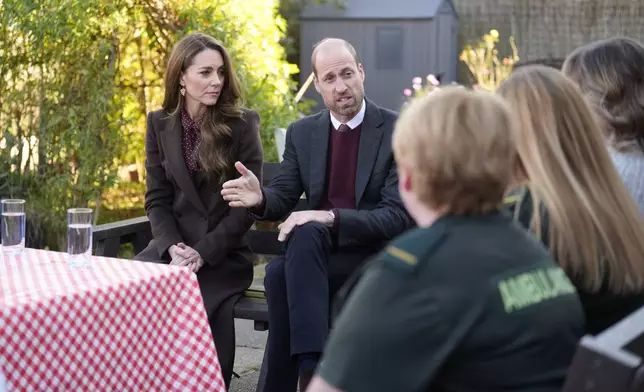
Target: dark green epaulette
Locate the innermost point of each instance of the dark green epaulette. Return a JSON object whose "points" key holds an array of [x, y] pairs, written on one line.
{"points": [[511, 200], [413, 248], [514, 200]]}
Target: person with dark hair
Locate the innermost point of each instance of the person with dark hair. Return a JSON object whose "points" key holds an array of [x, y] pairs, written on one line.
{"points": [[341, 159], [191, 146], [610, 73], [548, 62]]}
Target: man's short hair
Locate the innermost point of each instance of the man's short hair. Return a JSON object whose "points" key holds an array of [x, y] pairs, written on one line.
{"points": [[459, 144], [345, 43]]}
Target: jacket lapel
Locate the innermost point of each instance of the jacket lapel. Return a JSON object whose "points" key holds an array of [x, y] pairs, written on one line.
{"points": [[171, 140], [200, 179], [370, 137], [319, 150]]}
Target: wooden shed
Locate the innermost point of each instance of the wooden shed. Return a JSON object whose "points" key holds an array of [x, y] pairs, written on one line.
{"points": [[395, 40]]}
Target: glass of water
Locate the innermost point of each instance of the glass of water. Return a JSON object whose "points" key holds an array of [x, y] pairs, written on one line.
{"points": [[14, 223], [79, 237]]}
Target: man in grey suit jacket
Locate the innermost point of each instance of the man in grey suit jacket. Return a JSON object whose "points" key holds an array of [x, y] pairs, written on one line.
{"points": [[341, 159]]}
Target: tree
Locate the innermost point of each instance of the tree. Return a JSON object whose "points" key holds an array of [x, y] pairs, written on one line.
{"points": [[79, 76]]}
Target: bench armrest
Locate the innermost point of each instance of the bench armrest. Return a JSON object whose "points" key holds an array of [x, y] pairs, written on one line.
{"points": [[108, 238]]}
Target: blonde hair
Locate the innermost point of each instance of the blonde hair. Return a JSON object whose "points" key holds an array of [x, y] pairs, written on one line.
{"points": [[610, 73], [595, 229], [459, 144]]}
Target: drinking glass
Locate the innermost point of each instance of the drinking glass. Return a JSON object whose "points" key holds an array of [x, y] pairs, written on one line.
{"points": [[14, 223], [79, 237]]}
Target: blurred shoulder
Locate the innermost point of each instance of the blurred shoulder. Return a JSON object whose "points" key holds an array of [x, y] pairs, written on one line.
{"points": [[412, 249]]}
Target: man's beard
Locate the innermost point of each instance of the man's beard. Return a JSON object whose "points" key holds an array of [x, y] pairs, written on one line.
{"points": [[345, 110]]}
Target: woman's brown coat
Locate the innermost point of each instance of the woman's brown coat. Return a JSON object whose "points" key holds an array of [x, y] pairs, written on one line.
{"points": [[190, 209]]}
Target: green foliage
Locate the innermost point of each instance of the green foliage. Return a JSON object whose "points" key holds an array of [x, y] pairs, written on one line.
{"points": [[60, 116], [79, 76], [484, 62], [123, 201]]}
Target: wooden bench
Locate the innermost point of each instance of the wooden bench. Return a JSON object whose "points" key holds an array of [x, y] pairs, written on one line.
{"points": [[109, 237]]}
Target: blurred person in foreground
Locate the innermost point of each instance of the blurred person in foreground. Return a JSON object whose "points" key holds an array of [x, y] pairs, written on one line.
{"points": [[468, 300]]}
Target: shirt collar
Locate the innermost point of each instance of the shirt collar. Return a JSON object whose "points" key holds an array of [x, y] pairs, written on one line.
{"points": [[355, 121], [188, 123]]}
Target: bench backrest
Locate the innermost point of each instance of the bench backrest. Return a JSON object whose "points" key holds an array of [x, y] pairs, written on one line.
{"points": [[108, 238], [612, 361]]}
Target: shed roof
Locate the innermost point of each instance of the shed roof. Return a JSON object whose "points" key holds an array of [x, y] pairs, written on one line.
{"points": [[375, 9]]}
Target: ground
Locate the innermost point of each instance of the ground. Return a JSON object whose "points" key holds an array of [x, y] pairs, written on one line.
{"points": [[248, 357], [250, 348]]}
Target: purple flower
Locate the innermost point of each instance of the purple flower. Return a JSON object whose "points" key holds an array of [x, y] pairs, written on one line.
{"points": [[417, 80], [407, 92]]}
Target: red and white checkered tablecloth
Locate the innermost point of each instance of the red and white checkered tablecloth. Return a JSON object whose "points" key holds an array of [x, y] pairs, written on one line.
{"points": [[120, 325]]}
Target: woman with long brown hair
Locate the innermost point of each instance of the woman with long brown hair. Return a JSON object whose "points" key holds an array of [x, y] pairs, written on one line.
{"points": [[574, 200], [191, 147], [610, 73]]}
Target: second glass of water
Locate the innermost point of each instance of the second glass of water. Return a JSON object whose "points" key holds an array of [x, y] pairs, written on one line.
{"points": [[14, 223], [79, 237]]}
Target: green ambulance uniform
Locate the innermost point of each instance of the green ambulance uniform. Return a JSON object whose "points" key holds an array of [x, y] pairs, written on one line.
{"points": [[468, 304], [602, 308]]}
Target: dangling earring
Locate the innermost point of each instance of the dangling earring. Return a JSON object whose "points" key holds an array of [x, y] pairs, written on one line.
{"points": [[182, 91]]}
